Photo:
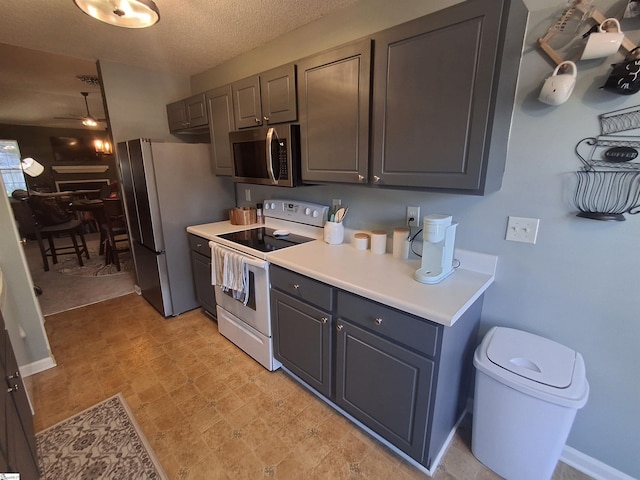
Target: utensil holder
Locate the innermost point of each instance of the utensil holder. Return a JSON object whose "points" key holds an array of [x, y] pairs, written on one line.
{"points": [[333, 233]]}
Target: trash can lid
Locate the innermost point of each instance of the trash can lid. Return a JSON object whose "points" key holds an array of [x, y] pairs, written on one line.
{"points": [[534, 365], [533, 357]]}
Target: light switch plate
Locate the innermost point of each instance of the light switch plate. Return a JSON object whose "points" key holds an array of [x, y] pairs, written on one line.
{"points": [[520, 229]]}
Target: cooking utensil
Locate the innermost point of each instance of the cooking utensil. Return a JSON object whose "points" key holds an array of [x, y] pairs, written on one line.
{"points": [[340, 214]]}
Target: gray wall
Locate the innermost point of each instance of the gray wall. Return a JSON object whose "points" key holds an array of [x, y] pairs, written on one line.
{"points": [[577, 284]]}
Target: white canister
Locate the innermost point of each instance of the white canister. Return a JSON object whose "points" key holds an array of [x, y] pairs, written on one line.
{"points": [[378, 241], [401, 242], [333, 233], [360, 241]]}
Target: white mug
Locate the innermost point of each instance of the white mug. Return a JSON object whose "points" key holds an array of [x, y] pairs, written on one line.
{"points": [[558, 87], [603, 43]]}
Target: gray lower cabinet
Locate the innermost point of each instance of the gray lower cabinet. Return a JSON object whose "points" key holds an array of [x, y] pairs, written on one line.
{"points": [[221, 122], [384, 385], [333, 97], [302, 320], [201, 266], [404, 377], [17, 437], [443, 93]]}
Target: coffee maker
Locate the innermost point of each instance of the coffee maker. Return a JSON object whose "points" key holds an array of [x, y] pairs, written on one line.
{"points": [[439, 234]]}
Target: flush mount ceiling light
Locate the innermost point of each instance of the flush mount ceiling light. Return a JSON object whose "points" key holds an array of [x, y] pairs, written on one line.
{"points": [[121, 13]]}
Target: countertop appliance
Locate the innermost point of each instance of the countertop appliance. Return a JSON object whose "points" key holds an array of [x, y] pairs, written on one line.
{"points": [[267, 156], [167, 187], [439, 236], [287, 224]]}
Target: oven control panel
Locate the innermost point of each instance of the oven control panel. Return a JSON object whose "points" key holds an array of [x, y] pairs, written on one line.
{"points": [[297, 211]]}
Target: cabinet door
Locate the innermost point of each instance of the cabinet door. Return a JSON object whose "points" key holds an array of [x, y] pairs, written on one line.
{"points": [[334, 96], [221, 122], [385, 386], [202, 280], [432, 97], [278, 94], [177, 116], [302, 340], [196, 108], [246, 102]]}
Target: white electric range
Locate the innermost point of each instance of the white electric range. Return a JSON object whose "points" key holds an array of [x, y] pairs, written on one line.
{"points": [[288, 223]]}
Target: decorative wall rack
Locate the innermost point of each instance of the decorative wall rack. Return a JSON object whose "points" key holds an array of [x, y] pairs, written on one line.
{"points": [[582, 13]]}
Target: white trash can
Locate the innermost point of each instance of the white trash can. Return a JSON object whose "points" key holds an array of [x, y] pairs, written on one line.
{"points": [[527, 392]]}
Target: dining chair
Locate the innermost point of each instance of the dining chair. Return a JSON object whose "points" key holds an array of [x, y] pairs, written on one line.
{"points": [[114, 230], [30, 225]]}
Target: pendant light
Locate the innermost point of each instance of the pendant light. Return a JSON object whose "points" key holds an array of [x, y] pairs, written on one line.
{"points": [[88, 120], [121, 13]]}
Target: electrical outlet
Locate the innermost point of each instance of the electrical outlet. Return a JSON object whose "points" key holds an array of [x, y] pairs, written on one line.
{"points": [[413, 213], [247, 195], [523, 230]]}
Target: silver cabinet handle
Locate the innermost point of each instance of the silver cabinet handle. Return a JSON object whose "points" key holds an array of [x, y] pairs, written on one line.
{"points": [[15, 375], [360, 178], [339, 328], [12, 389], [199, 245], [324, 320], [376, 179], [296, 286], [257, 120], [378, 321], [266, 119]]}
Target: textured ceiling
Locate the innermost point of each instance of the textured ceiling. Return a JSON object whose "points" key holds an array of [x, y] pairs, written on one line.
{"points": [[45, 44]]}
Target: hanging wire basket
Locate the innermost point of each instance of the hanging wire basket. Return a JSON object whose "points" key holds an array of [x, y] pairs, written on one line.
{"points": [[607, 195]]}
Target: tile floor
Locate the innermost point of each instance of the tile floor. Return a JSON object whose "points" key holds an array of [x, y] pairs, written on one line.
{"points": [[209, 411]]}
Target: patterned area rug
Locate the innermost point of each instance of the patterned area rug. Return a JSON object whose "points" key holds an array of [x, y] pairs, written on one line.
{"points": [[102, 442], [94, 266]]}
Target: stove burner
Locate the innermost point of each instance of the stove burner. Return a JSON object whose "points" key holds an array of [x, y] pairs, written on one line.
{"points": [[265, 239]]}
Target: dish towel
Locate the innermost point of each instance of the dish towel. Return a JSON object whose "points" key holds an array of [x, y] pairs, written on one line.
{"points": [[230, 272]]}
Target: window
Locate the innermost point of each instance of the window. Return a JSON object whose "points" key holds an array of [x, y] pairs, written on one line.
{"points": [[12, 175]]}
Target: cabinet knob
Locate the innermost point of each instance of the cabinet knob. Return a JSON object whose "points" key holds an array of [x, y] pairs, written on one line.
{"points": [[266, 119], [198, 245], [339, 328], [378, 321], [376, 179], [257, 120], [15, 375], [360, 178], [324, 320], [13, 388], [296, 286]]}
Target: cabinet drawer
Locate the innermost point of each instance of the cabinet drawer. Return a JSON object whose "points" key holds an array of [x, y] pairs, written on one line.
{"points": [[413, 332], [200, 245], [304, 288]]}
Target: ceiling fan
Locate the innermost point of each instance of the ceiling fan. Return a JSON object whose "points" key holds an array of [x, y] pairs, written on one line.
{"points": [[88, 120]]}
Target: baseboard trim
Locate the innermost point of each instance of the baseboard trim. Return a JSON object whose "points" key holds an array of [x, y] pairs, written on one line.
{"points": [[37, 366], [590, 466]]}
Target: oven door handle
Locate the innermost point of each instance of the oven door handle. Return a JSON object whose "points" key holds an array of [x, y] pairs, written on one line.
{"points": [[254, 262]]}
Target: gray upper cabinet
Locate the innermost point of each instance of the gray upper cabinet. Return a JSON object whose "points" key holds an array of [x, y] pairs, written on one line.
{"points": [[267, 98], [334, 95], [188, 115], [443, 93], [220, 109]]}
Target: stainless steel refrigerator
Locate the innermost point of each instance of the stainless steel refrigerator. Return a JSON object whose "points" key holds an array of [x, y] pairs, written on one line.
{"points": [[166, 188]]}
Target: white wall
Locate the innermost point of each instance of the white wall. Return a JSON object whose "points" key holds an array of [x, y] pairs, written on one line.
{"points": [[578, 284], [136, 100], [21, 310]]}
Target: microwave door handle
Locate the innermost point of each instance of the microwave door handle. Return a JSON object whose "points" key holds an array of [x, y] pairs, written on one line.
{"points": [[270, 134]]}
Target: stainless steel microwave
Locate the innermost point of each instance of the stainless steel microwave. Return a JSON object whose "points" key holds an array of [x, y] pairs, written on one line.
{"points": [[267, 156]]}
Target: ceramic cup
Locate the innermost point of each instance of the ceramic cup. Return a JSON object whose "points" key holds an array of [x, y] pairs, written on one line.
{"points": [[333, 233], [558, 87], [603, 43]]}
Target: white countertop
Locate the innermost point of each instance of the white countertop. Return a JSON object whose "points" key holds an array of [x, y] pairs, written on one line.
{"points": [[382, 278]]}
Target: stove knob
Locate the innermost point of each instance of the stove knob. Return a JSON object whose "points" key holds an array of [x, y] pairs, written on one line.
{"points": [[315, 214], [307, 211], [267, 206], [273, 206]]}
